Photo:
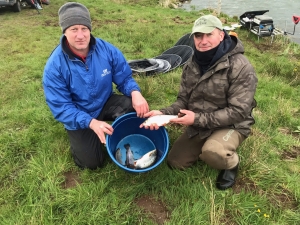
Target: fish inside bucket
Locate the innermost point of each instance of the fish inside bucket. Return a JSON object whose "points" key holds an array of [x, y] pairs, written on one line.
{"points": [[141, 141], [142, 152]]}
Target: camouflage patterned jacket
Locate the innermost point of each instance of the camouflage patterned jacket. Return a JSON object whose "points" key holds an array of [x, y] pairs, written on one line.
{"points": [[223, 97]]}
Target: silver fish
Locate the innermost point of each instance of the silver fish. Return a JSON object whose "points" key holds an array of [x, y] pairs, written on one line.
{"points": [[159, 120], [146, 160], [129, 162], [118, 156]]}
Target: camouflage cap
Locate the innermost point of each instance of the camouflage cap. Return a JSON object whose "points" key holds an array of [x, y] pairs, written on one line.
{"points": [[206, 24]]}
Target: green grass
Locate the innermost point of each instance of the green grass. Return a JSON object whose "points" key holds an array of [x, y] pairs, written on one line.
{"points": [[34, 148]]}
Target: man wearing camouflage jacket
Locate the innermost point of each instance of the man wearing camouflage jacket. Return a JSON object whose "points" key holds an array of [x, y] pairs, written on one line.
{"points": [[216, 99]]}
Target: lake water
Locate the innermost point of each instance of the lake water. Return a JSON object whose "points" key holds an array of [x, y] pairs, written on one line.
{"points": [[281, 11]]}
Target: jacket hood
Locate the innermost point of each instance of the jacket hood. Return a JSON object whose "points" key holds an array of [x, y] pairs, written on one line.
{"points": [[239, 48]]}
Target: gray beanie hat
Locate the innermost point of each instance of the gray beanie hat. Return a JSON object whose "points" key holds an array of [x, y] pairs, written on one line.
{"points": [[73, 13]]}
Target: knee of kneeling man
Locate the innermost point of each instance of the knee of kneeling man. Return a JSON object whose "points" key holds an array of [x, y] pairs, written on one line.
{"points": [[174, 164], [219, 161], [212, 146], [212, 159], [214, 154]]}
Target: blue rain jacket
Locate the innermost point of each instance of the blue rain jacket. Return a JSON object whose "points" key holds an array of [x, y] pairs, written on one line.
{"points": [[76, 91]]}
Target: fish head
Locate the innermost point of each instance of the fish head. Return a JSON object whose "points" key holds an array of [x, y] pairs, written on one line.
{"points": [[127, 146]]}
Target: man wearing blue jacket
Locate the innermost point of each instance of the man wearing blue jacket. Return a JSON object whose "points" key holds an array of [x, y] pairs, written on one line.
{"points": [[78, 85]]}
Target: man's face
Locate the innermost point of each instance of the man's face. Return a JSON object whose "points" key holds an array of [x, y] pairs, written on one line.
{"points": [[205, 42], [78, 37]]}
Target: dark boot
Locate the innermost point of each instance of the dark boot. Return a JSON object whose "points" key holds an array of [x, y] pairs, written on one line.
{"points": [[226, 178]]}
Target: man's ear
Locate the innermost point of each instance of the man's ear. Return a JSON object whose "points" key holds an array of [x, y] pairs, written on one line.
{"points": [[222, 35]]}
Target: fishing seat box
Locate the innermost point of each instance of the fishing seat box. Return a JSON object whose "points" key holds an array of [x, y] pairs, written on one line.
{"points": [[262, 25], [247, 17]]}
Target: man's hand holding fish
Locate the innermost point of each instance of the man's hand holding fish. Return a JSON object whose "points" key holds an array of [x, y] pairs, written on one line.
{"points": [[151, 114], [185, 117], [157, 119]]}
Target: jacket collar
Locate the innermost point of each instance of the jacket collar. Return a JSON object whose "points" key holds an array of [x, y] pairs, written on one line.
{"points": [[222, 62]]}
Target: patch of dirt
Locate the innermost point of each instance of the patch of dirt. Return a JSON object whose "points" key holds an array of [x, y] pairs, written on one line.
{"points": [[244, 184], [284, 130], [178, 20], [287, 131], [296, 134], [156, 210], [118, 21], [50, 23], [292, 154], [265, 45], [101, 22], [71, 180], [227, 218], [284, 200]]}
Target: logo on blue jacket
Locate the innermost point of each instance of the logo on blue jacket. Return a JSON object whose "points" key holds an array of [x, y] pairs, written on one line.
{"points": [[105, 72]]}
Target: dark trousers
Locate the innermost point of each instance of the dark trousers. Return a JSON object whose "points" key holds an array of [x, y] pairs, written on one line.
{"points": [[86, 148]]}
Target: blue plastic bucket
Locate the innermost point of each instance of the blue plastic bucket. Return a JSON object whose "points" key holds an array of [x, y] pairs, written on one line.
{"points": [[141, 140]]}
